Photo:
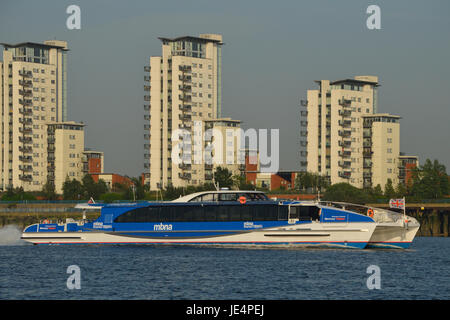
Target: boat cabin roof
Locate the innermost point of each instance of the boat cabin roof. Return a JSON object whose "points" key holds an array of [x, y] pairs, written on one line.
{"points": [[224, 195]]}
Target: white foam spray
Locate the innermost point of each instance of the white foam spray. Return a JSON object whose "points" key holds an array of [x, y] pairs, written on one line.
{"points": [[10, 236]]}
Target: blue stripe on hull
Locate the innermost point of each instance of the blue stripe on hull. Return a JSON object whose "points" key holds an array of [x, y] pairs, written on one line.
{"points": [[349, 245], [387, 245]]}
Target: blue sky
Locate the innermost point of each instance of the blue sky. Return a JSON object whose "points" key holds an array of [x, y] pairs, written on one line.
{"points": [[273, 52]]}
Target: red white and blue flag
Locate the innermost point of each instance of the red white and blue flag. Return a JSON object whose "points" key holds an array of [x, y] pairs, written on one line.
{"points": [[397, 203]]}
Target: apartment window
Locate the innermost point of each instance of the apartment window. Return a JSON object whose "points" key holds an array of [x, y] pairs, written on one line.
{"points": [[389, 140], [42, 108], [53, 81], [389, 170], [389, 150], [53, 72], [42, 80], [209, 67], [42, 71], [389, 130], [200, 94], [209, 95], [194, 65], [36, 89], [200, 66]]}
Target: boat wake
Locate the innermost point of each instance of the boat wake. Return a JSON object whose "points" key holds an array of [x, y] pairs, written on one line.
{"points": [[10, 236]]}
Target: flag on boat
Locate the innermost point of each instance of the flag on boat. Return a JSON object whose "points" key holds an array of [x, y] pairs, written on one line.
{"points": [[397, 203], [91, 200]]}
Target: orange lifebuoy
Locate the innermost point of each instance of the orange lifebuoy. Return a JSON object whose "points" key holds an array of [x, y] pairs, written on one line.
{"points": [[242, 199], [370, 213], [45, 221]]}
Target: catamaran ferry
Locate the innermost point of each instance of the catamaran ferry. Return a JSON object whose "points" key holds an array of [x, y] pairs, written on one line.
{"points": [[221, 217], [394, 229]]}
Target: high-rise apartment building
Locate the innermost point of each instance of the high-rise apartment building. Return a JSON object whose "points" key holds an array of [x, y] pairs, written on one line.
{"points": [[345, 138], [183, 87], [65, 152], [33, 93]]}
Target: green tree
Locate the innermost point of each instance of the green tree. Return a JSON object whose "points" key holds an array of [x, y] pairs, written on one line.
{"points": [[389, 191], [223, 177], [344, 192], [48, 191], [72, 189], [430, 181]]}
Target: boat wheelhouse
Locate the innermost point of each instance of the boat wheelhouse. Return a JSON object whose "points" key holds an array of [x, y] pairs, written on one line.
{"points": [[214, 218]]}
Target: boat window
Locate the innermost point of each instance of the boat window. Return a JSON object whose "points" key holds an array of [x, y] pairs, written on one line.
{"points": [[304, 212], [256, 196], [205, 213], [146, 214], [209, 197], [228, 197], [282, 213]]}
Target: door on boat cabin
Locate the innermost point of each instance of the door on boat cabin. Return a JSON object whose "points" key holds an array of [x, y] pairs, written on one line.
{"points": [[299, 212]]}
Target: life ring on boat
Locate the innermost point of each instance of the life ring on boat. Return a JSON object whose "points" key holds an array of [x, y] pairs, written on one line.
{"points": [[370, 213], [45, 221], [242, 200]]}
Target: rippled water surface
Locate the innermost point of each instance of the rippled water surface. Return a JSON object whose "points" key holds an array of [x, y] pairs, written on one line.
{"points": [[184, 272]]}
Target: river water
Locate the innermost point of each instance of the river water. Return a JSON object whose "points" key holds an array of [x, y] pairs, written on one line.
{"points": [[186, 272]]}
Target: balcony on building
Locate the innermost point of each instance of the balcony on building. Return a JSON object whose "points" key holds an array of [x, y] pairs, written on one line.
{"points": [[26, 93], [345, 164], [345, 123], [147, 68], [26, 74], [344, 174], [185, 166], [26, 111], [345, 133], [25, 158], [345, 103], [185, 98], [147, 88], [185, 68], [345, 113], [25, 149], [26, 83], [185, 176], [367, 164], [25, 177], [185, 117], [25, 130], [345, 144], [26, 102], [344, 154], [146, 107], [25, 168], [26, 139]]}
